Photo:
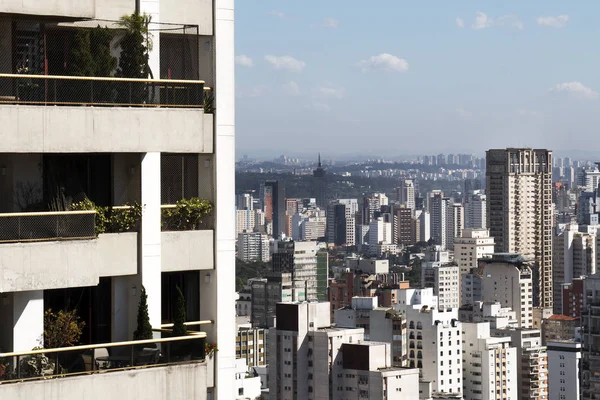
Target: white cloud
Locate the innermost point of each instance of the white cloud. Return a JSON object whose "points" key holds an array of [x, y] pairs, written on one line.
{"points": [[329, 92], [291, 88], [244, 61], [576, 89], [277, 13], [460, 22], [559, 21], [529, 113], [331, 23], [253, 91], [320, 107], [483, 21], [288, 63], [384, 61]]}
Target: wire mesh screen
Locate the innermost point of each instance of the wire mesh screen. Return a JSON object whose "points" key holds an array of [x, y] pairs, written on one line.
{"points": [[47, 226], [179, 177]]}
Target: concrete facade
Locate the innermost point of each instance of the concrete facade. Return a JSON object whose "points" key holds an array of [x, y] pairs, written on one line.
{"points": [[177, 382]]}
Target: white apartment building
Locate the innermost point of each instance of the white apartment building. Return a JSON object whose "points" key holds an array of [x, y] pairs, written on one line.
{"points": [[380, 232], [573, 255], [115, 141], [308, 359], [507, 278], [368, 265], [424, 224], [436, 346], [494, 313], [475, 211], [444, 278], [372, 204], [415, 297], [250, 221], [471, 246], [532, 361], [381, 324], [456, 225], [406, 194], [246, 387], [490, 364], [253, 246], [519, 210], [564, 370]]}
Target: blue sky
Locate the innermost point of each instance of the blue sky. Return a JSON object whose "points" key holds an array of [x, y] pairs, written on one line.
{"points": [[395, 77]]}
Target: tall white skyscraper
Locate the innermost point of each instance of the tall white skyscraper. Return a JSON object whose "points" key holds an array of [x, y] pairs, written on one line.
{"points": [[471, 246], [440, 211], [519, 210]]}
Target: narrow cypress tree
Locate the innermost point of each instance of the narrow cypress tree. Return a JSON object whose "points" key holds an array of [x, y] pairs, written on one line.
{"points": [[144, 329], [179, 328]]}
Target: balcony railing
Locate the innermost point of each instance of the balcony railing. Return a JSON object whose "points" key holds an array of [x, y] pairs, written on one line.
{"points": [[41, 226], [77, 360], [100, 91]]}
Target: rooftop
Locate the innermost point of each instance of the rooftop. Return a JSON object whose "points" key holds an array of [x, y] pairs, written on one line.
{"points": [[560, 317]]}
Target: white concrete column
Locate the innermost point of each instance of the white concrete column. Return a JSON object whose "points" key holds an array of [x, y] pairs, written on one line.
{"points": [[28, 320], [225, 199], [150, 254]]}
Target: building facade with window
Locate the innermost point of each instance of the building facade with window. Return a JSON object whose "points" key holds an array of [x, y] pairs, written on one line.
{"points": [[98, 169]]}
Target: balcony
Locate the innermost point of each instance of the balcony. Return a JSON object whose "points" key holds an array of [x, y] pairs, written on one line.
{"points": [[45, 114], [72, 8], [113, 369], [186, 247]]}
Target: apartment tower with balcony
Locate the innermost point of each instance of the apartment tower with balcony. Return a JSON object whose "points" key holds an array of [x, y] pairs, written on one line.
{"points": [[100, 162], [519, 210]]}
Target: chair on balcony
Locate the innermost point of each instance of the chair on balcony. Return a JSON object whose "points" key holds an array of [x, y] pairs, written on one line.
{"points": [[147, 356]]}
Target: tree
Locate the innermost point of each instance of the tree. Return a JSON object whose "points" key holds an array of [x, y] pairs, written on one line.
{"points": [[179, 328], [136, 44], [144, 329], [62, 329], [104, 62]]}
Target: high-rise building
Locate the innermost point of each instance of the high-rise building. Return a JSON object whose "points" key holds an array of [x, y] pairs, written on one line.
{"points": [[253, 246], [456, 224], [115, 141], [371, 205], [274, 205], [590, 321], [470, 247], [310, 359], [490, 364], [341, 222], [519, 210], [475, 211], [424, 220], [406, 194], [380, 232], [574, 255], [404, 226], [507, 278], [572, 297], [300, 259], [564, 370], [440, 210], [320, 185]]}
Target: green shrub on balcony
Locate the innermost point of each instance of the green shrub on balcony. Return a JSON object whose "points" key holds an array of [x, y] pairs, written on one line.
{"points": [[187, 214], [179, 328], [144, 329], [111, 220]]}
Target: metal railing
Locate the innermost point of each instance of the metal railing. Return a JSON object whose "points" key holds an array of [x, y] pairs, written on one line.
{"points": [[89, 359], [100, 91], [41, 226]]}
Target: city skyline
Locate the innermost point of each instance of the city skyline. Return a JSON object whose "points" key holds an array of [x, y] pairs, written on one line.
{"points": [[479, 76]]}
